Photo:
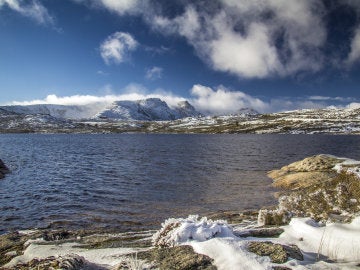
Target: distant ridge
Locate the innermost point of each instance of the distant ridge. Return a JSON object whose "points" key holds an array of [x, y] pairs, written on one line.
{"points": [[151, 109]]}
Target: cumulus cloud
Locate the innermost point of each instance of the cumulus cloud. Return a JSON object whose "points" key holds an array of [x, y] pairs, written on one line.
{"points": [[120, 7], [154, 73], [131, 92], [253, 39], [354, 54], [34, 10], [223, 101], [116, 47], [210, 101]]}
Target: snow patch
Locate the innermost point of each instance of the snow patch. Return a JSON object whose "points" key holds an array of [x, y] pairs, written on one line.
{"points": [[182, 230]]}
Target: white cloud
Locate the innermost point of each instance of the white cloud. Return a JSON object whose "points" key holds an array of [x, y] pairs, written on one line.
{"points": [[154, 73], [354, 54], [341, 99], [252, 56], [130, 92], [223, 101], [213, 101], [353, 106], [34, 10], [116, 48], [121, 6], [253, 39]]}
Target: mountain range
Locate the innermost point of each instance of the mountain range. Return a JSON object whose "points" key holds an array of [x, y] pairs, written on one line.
{"points": [[156, 116], [151, 109]]}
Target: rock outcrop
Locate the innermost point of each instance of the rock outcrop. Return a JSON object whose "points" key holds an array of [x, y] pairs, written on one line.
{"points": [[322, 187], [3, 169], [304, 173]]}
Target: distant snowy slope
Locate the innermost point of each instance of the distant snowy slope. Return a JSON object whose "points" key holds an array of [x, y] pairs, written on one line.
{"points": [[185, 109], [57, 111], [151, 109]]}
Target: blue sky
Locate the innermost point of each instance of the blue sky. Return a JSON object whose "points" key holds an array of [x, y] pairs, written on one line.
{"points": [[221, 54]]}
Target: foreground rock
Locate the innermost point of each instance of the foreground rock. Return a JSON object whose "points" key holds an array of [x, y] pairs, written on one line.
{"points": [[304, 173], [68, 262], [3, 169], [277, 253], [322, 187], [178, 258]]}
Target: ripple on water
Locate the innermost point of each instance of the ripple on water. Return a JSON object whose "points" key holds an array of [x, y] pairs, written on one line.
{"points": [[138, 180]]}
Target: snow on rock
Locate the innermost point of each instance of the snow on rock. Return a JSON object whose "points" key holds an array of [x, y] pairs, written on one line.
{"points": [[230, 253], [348, 165], [107, 257], [177, 231], [57, 111], [151, 109], [338, 241]]}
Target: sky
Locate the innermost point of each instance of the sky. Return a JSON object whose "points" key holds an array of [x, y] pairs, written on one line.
{"points": [[221, 55]]}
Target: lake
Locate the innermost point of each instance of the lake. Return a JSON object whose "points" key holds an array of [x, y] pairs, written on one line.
{"points": [[135, 181]]}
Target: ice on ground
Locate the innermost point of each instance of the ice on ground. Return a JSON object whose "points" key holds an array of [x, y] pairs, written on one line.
{"points": [[338, 242], [231, 253], [106, 257], [177, 231], [348, 165]]}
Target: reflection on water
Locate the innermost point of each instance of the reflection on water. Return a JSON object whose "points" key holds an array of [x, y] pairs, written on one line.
{"points": [[137, 180]]}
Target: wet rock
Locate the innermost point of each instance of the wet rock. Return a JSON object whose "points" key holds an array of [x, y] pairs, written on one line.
{"points": [[68, 262], [277, 253], [56, 235], [262, 232], [3, 169], [273, 217], [178, 258]]}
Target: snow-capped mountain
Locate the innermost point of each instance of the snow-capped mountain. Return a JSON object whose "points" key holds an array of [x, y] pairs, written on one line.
{"points": [[151, 109], [57, 111]]}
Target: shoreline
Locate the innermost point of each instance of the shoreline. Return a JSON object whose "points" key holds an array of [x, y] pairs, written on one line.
{"points": [[279, 238]]}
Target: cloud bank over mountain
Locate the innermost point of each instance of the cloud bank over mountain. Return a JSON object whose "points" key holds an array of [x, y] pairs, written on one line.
{"points": [[213, 101]]}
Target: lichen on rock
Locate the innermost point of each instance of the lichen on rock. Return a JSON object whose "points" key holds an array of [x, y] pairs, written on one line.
{"points": [[277, 253], [315, 187], [304, 173], [178, 258]]}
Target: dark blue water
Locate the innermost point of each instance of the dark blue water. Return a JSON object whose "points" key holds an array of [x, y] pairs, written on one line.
{"points": [[136, 181]]}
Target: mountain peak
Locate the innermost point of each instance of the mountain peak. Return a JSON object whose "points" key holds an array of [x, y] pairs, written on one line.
{"points": [[150, 109]]}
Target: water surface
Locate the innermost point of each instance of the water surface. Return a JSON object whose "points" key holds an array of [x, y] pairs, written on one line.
{"points": [[133, 181]]}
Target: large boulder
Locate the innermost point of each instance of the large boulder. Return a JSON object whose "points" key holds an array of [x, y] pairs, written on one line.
{"points": [[304, 173], [3, 169]]}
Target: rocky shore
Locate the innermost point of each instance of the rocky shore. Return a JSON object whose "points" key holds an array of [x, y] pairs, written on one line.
{"points": [[316, 225]]}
